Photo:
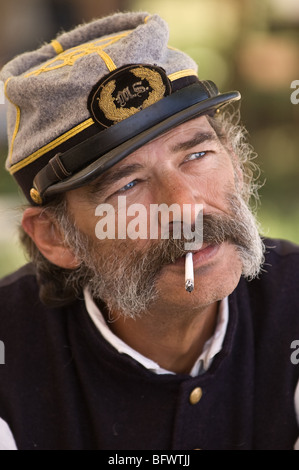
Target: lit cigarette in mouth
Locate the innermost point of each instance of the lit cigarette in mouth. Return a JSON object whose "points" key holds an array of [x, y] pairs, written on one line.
{"points": [[189, 272]]}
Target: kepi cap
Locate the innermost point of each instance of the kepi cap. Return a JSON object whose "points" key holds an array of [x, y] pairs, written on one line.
{"points": [[92, 96]]}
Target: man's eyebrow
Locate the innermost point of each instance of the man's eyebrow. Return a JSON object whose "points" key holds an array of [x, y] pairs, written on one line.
{"points": [[107, 179], [197, 139]]}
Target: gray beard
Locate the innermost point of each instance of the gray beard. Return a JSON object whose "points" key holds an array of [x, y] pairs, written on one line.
{"points": [[125, 279]]}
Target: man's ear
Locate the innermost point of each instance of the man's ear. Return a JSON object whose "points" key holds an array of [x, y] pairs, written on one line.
{"points": [[48, 238]]}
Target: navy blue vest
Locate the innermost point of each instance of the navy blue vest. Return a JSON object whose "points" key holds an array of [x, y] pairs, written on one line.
{"points": [[64, 387]]}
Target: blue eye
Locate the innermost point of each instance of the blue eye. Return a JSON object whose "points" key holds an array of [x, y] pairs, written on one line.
{"points": [[195, 156], [128, 186]]}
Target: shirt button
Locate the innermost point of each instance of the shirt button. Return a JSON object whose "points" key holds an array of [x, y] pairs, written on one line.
{"points": [[195, 395]]}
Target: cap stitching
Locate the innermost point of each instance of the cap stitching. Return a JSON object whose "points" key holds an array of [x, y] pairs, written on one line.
{"points": [[46, 148], [108, 61], [57, 46], [56, 174], [181, 74], [70, 56], [61, 167]]}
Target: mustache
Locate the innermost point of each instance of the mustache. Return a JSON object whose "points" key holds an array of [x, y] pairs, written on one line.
{"points": [[144, 268], [126, 278], [216, 229]]}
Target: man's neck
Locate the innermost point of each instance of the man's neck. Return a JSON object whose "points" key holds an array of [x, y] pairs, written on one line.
{"points": [[173, 341]]}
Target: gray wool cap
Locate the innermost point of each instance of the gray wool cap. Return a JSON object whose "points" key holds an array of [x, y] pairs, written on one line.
{"points": [[83, 102]]}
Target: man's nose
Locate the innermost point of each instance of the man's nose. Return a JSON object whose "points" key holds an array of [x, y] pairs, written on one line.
{"points": [[176, 188], [182, 200]]}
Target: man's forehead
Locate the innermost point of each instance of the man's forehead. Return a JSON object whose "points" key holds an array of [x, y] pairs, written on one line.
{"points": [[171, 139], [199, 124]]}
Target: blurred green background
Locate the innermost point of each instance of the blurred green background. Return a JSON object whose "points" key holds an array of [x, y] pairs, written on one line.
{"points": [[248, 45]]}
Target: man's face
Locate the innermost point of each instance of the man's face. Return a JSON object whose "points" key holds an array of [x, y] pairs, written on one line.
{"points": [[187, 166]]}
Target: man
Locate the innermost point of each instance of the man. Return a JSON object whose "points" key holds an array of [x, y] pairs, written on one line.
{"points": [[105, 348]]}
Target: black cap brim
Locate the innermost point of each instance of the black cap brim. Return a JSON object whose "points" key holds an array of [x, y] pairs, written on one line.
{"points": [[187, 104]]}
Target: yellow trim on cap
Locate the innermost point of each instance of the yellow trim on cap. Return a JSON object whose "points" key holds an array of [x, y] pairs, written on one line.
{"points": [[70, 56], [173, 48], [60, 140], [182, 74], [63, 138], [57, 46], [108, 61], [17, 124]]}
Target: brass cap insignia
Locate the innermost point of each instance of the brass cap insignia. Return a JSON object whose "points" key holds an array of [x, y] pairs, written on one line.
{"points": [[35, 196], [125, 91]]}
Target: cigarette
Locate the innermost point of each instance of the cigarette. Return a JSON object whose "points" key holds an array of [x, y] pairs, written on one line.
{"points": [[189, 272]]}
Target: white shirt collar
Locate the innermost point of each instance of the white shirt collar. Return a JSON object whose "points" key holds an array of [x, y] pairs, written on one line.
{"points": [[211, 347]]}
